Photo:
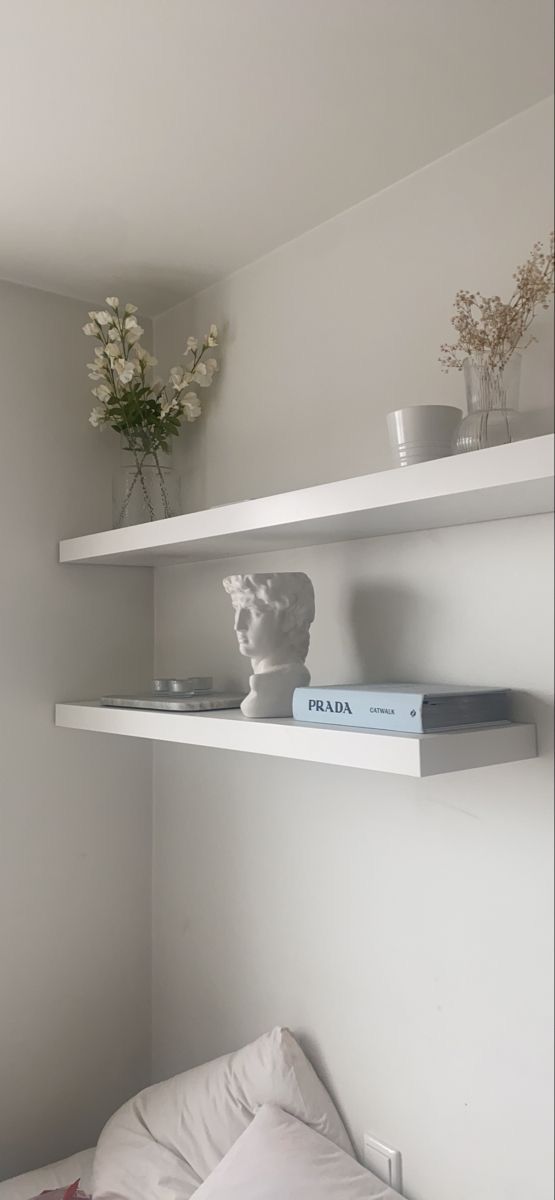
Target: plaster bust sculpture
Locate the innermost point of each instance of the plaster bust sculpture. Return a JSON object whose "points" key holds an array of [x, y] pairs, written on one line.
{"points": [[273, 615]]}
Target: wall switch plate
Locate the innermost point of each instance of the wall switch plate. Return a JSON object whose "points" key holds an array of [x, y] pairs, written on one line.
{"points": [[383, 1161]]}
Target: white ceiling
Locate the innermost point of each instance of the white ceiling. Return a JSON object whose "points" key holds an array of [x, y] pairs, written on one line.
{"points": [[152, 146]]}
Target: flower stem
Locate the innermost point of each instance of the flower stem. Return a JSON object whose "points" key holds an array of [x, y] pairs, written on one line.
{"points": [[144, 487], [165, 501], [125, 505]]}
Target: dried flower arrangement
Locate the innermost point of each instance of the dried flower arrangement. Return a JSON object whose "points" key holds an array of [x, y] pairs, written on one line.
{"points": [[490, 329]]}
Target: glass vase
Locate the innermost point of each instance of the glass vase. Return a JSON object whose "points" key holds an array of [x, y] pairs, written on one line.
{"points": [[492, 395], [146, 487]]}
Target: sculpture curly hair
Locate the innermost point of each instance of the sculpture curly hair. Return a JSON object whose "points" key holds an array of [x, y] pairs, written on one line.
{"points": [[290, 593]]}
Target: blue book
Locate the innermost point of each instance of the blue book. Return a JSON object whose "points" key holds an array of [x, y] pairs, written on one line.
{"points": [[402, 708]]}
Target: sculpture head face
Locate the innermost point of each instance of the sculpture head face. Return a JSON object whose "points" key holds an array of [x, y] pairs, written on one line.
{"points": [[273, 614], [257, 628]]}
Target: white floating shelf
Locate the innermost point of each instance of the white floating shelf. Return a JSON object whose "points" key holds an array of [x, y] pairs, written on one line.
{"points": [[394, 753], [505, 481]]}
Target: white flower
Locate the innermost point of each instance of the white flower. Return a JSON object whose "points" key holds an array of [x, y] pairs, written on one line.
{"points": [[169, 406], [113, 333], [134, 334], [202, 375], [95, 370], [125, 370], [102, 392], [191, 406], [97, 417], [131, 308], [176, 377], [130, 322], [192, 344], [90, 330], [113, 350], [212, 364], [103, 318], [144, 357], [112, 301], [212, 338], [180, 379]]}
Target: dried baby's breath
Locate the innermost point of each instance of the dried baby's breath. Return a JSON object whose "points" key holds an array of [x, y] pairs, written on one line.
{"points": [[492, 329]]}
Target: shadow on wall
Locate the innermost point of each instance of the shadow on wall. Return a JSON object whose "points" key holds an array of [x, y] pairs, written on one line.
{"points": [[313, 1051], [383, 620]]}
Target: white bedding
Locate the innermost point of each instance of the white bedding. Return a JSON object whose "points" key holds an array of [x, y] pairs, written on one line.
{"points": [[164, 1142], [278, 1157], [79, 1166]]}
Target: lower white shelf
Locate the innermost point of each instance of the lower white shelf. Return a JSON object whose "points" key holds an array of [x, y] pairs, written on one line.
{"points": [[395, 753]]}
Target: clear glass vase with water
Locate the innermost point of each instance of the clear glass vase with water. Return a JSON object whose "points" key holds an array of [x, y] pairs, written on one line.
{"points": [[146, 486]]}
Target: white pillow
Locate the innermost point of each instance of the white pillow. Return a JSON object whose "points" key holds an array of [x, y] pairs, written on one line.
{"points": [[167, 1140], [279, 1158]]}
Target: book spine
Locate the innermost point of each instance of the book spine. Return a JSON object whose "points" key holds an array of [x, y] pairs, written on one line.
{"points": [[396, 712]]}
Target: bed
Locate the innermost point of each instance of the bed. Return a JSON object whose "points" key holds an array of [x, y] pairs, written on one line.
{"points": [[79, 1166], [260, 1113]]}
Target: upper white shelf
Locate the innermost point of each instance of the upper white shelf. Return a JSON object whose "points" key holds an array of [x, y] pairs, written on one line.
{"points": [[505, 481]]}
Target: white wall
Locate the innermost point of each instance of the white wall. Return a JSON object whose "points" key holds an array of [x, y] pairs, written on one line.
{"points": [[75, 811], [327, 334], [401, 927]]}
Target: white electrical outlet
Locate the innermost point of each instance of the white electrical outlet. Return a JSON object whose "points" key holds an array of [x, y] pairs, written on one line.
{"points": [[384, 1162]]}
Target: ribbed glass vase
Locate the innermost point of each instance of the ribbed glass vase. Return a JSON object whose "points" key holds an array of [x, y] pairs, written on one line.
{"points": [[492, 395]]}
